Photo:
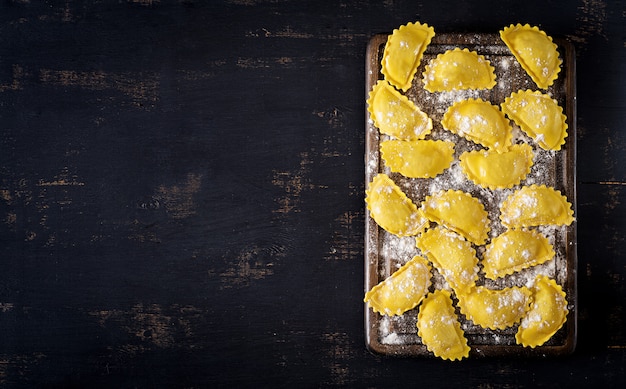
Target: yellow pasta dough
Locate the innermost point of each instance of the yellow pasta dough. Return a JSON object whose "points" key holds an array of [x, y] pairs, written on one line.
{"points": [[539, 116], [535, 51], [439, 327], [395, 115], [401, 291], [392, 209], [515, 250], [480, 122], [546, 316], [449, 224], [458, 69], [417, 159], [460, 212], [535, 206], [494, 170], [495, 309], [403, 53], [452, 256]]}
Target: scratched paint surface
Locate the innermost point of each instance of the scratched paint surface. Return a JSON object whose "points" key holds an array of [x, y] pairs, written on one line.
{"points": [[181, 192]]}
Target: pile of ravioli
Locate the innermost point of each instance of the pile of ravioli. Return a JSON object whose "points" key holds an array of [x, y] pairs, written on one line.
{"points": [[449, 225]]}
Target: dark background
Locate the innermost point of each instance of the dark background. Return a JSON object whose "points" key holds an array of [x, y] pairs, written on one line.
{"points": [[181, 193]]}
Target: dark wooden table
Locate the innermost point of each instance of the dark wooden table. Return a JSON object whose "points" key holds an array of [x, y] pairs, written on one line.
{"points": [[182, 184]]}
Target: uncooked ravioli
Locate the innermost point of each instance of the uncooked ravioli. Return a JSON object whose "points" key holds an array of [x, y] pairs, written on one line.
{"points": [[460, 212], [480, 122], [395, 115], [403, 53], [417, 159], [536, 205], [457, 70], [391, 209], [546, 316], [495, 309], [539, 116], [401, 291], [453, 256], [494, 170], [515, 250], [438, 326], [535, 51]]}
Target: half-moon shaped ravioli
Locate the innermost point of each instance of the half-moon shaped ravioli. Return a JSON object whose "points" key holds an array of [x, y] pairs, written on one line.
{"points": [[539, 116], [403, 290], [458, 69], [417, 159], [535, 206], [392, 209], [494, 170], [495, 309], [439, 327], [452, 256], [515, 250], [403, 53], [460, 212], [546, 316], [535, 51], [395, 115], [480, 122]]}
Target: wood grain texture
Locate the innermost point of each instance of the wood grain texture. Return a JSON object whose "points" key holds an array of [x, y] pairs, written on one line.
{"points": [[181, 193]]}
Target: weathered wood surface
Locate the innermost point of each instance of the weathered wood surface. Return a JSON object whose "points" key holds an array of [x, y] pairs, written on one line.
{"points": [[181, 193]]}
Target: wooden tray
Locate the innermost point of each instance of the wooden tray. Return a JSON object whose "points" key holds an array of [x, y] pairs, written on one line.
{"points": [[384, 252]]}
